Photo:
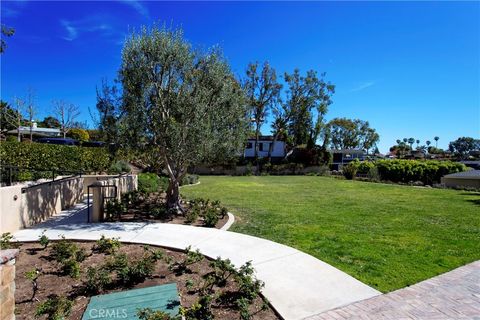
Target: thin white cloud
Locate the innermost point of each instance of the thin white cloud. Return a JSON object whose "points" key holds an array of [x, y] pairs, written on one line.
{"points": [[74, 28], [72, 32], [363, 86], [138, 6]]}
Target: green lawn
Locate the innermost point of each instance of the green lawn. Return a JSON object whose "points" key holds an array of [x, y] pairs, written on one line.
{"points": [[387, 236]]}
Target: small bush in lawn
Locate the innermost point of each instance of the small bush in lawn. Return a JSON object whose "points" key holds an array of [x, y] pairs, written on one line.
{"points": [[107, 245], [149, 314], [43, 239], [114, 208], [97, 279], [350, 170], [189, 179], [55, 308], [5, 241]]}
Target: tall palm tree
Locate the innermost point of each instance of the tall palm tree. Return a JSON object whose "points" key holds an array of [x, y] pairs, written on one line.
{"points": [[398, 141], [418, 142], [405, 140], [428, 142], [436, 142], [411, 141]]}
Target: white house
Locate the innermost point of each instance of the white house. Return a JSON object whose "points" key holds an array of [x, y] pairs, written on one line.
{"points": [[36, 131], [264, 143]]}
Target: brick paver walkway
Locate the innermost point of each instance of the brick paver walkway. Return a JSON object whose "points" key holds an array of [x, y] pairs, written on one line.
{"points": [[453, 295]]}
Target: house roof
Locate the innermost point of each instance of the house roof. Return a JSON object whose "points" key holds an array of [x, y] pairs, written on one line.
{"points": [[263, 138], [35, 130], [471, 174]]}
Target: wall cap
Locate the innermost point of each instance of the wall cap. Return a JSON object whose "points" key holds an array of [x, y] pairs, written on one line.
{"points": [[8, 255]]}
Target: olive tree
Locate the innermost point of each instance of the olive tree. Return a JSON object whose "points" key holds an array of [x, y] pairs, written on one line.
{"points": [[181, 104]]}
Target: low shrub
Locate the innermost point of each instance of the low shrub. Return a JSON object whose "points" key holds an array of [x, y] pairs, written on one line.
{"points": [[71, 267], [6, 241], [97, 279], [202, 309], [131, 198], [210, 212], [78, 134], [426, 171], [55, 308], [64, 249], [191, 258], [148, 183], [120, 166], [350, 170], [189, 179], [149, 314], [114, 209], [210, 217], [107, 245], [43, 240]]}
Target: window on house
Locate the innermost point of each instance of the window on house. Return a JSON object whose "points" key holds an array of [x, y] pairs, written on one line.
{"points": [[249, 145], [260, 146]]}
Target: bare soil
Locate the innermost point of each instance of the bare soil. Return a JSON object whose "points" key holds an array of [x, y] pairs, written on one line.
{"points": [[52, 281]]}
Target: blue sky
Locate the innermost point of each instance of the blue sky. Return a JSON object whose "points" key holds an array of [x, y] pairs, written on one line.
{"points": [[412, 69]]}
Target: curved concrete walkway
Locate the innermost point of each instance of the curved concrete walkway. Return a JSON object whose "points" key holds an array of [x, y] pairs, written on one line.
{"points": [[296, 284]]}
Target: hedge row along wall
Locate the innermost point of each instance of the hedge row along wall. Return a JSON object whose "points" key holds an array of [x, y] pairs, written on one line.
{"points": [[51, 156], [427, 171]]}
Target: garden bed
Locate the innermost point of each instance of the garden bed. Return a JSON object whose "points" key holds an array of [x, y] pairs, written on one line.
{"points": [[151, 208], [198, 279]]}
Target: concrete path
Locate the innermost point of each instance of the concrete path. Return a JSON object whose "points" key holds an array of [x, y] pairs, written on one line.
{"points": [[452, 295], [296, 284]]}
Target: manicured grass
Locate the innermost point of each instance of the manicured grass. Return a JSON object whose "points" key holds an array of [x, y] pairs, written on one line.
{"points": [[387, 236]]}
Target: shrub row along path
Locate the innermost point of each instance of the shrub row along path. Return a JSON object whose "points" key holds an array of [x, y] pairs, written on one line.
{"points": [[296, 284]]}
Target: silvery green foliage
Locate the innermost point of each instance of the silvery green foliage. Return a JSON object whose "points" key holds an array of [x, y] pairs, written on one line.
{"points": [[183, 105]]}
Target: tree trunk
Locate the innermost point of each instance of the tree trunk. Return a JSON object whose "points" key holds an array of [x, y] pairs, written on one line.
{"points": [[173, 195], [257, 136], [270, 148]]}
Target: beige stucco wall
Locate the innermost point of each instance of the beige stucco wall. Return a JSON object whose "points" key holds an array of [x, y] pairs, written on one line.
{"points": [[20, 210], [461, 182], [7, 284]]}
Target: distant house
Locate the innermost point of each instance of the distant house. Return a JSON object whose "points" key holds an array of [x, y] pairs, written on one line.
{"points": [[264, 142], [344, 156], [36, 131], [466, 179]]}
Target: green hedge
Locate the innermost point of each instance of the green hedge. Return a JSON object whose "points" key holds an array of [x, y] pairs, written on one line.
{"points": [[426, 171], [51, 156]]}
